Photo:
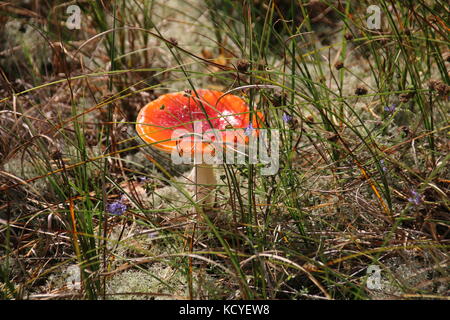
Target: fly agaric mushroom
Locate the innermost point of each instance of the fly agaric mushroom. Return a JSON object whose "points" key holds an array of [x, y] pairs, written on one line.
{"points": [[164, 122]]}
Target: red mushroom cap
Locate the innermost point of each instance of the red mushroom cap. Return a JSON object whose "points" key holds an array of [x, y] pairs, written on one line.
{"points": [[158, 120]]}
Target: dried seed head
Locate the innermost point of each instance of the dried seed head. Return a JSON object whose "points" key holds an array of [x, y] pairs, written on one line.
{"points": [[405, 97], [56, 154], [348, 36], [293, 124], [173, 41], [361, 90], [446, 56], [309, 119], [440, 87], [432, 84], [432, 19], [243, 65], [405, 130], [333, 137], [279, 98], [339, 65]]}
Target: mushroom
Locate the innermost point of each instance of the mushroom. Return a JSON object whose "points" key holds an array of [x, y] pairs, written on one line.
{"points": [[176, 122]]}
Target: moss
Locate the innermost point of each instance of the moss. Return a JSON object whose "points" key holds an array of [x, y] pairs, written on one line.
{"points": [[160, 282]]}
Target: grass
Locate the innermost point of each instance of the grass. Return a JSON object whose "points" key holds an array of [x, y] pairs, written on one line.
{"points": [[363, 117]]}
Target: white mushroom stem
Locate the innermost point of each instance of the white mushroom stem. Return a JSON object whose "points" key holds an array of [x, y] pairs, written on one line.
{"points": [[205, 182]]}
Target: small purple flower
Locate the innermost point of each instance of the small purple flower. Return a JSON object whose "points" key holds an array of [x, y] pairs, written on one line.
{"points": [[248, 131], [286, 118], [391, 108], [142, 179], [415, 198], [116, 208]]}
